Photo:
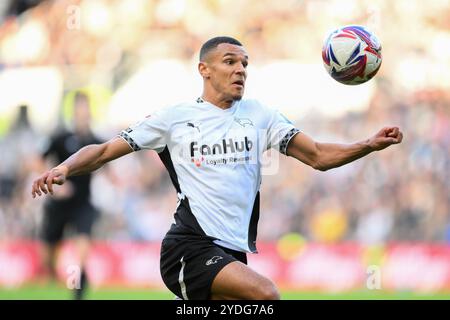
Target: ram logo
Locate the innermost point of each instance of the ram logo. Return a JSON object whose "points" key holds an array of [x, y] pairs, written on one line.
{"points": [[213, 260], [244, 121]]}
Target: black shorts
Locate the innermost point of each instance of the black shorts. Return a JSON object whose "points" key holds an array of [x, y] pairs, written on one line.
{"points": [[190, 264], [80, 218]]}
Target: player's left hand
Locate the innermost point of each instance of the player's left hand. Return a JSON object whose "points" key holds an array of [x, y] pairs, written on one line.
{"points": [[386, 137]]}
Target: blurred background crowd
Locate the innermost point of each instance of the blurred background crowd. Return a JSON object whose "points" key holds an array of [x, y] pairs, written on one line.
{"points": [[134, 56]]}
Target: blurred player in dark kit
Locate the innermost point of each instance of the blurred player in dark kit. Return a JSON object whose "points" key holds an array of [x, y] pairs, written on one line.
{"points": [[70, 206]]}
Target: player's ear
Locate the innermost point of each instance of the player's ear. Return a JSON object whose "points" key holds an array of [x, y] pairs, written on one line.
{"points": [[203, 69]]}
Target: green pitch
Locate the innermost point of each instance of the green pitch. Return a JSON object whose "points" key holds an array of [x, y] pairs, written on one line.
{"points": [[57, 292]]}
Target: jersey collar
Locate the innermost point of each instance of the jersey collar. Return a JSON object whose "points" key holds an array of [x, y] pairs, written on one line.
{"points": [[230, 109]]}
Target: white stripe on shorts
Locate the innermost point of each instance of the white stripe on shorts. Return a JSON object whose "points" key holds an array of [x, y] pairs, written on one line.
{"points": [[181, 280]]}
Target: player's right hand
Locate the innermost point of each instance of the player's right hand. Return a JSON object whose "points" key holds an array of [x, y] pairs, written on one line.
{"points": [[45, 182]]}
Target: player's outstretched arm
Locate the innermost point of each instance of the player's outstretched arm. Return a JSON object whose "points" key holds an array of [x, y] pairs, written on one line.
{"points": [[87, 159], [324, 156]]}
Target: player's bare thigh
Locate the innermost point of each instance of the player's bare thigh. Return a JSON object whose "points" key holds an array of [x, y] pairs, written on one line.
{"points": [[236, 281]]}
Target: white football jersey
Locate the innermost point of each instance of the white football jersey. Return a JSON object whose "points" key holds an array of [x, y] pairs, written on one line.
{"points": [[213, 157]]}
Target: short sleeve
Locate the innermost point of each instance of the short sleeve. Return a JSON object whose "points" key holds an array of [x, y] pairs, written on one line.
{"points": [[149, 133], [280, 131]]}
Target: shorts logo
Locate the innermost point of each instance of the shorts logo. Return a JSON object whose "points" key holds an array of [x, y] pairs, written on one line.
{"points": [[213, 260]]}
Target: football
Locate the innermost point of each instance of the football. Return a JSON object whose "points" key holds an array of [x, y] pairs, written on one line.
{"points": [[352, 54]]}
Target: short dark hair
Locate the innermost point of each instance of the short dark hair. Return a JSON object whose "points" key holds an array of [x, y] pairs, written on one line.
{"points": [[214, 42]]}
